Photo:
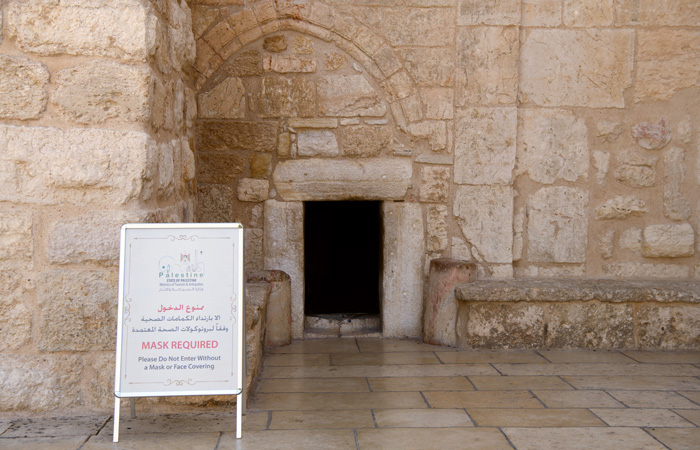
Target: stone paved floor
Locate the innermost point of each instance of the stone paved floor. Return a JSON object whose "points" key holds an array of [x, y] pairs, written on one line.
{"points": [[372, 394]]}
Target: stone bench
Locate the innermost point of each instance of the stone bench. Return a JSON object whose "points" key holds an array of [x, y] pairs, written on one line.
{"points": [[578, 313]]}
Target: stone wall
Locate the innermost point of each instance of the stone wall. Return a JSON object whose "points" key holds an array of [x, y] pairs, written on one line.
{"points": [[96, 109]]}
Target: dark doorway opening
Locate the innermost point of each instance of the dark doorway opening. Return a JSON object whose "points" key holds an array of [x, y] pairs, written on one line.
{"points": [[342, 257]]}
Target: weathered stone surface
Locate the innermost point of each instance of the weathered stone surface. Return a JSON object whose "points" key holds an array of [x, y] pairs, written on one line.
{"points": [[77, 310], [588, 68], [227, 100], [652, 136], [275, 44], [123, 30], [90, 238], [558, 225], [541, 13], [588, 13], [439, 103], [279, 319], [485, 145], [312, 123], [517, 325], [404, 246], [257, 296], [253, 248], [487, 62], [289, 64], [684, 130], [553, 145], [435, 184], [676, 206], [30, 383], [288, 97], [260, 165], [668, 241], [658, 12], [398, 86], [488, 12], [349, 95], [366, 141], [253, 190], [319, 179], [15, 318], [440, 311], [666, 62], [100, 90], [100, 393], [432, 130], [669, 327], [601, 162], [621, 207], [202, 18], [284, 145], [215, 203], [284, 250], [228, 135], [423, 27], [317, 143], [485, 216], [631, 239], [334, 60], [303, 45], [23, 84], [16, 239], [48, 165], [429, 66], [590, 325], [607, 244], [219, 167], [245, 64], [436, 228], [609, 131], [639, 270], [636, 169]]}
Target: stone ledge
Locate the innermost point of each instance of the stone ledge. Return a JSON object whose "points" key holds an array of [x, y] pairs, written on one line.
{"points": [[569, 290]]}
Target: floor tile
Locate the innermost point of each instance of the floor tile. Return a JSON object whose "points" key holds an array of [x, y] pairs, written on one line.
{"points": [[372, 359], [154, 441], [43, 443], [640, 417], [290, 440], [398, 370], [299, 420], [398, 345], [269, 385], [678, 357], [577, 399], [516, 383], [432, 439], [692, 415], [659, 370], [581, 439], [4, 425], [174, 423], [422, 418], [485, 417], [634, 383], [691, 395], [317, 346], [482, 399], [653, 399], [491, 356], [677, 438], [59, 426], [298, 359], [585, 356], [420, 384], [310, 402]]}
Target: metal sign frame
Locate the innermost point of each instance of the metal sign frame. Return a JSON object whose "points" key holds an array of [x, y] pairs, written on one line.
{"points": [[181, 313]]}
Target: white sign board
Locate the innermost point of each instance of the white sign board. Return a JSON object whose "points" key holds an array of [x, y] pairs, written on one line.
{"points": [[180, 319]]}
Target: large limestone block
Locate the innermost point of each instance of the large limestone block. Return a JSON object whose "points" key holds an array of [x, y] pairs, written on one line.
{"points": [[317, 143], [40, 383], [16, 318], [589, 13], [489, 12], [621, 207], [541, 13], [676, 206], [215, 203], [287, 97], [227, 100], [485, 216], [666, 62], [99, 90], [588, 68], [219, 167], [557, 225], [47, 165], [23, 84], [429, 66], [91, 238], [590, 325], [500, 325], [283, 249], [77, 310], [668, 327], [278, 326], [485, 145], [436, 228], [435, 184], [636, 169], [487, 61], [124, 30], [323, 179], [553, 145], [640, 270], [348, 96], [225, 135], [423, 27], [253, 190], [404, 246], [366, 141], [658, 12], [675, 240], [16, 239]]}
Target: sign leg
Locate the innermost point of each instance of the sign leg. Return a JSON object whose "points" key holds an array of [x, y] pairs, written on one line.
{"points": [[132, 403], [115, 437], [239, 416]]}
